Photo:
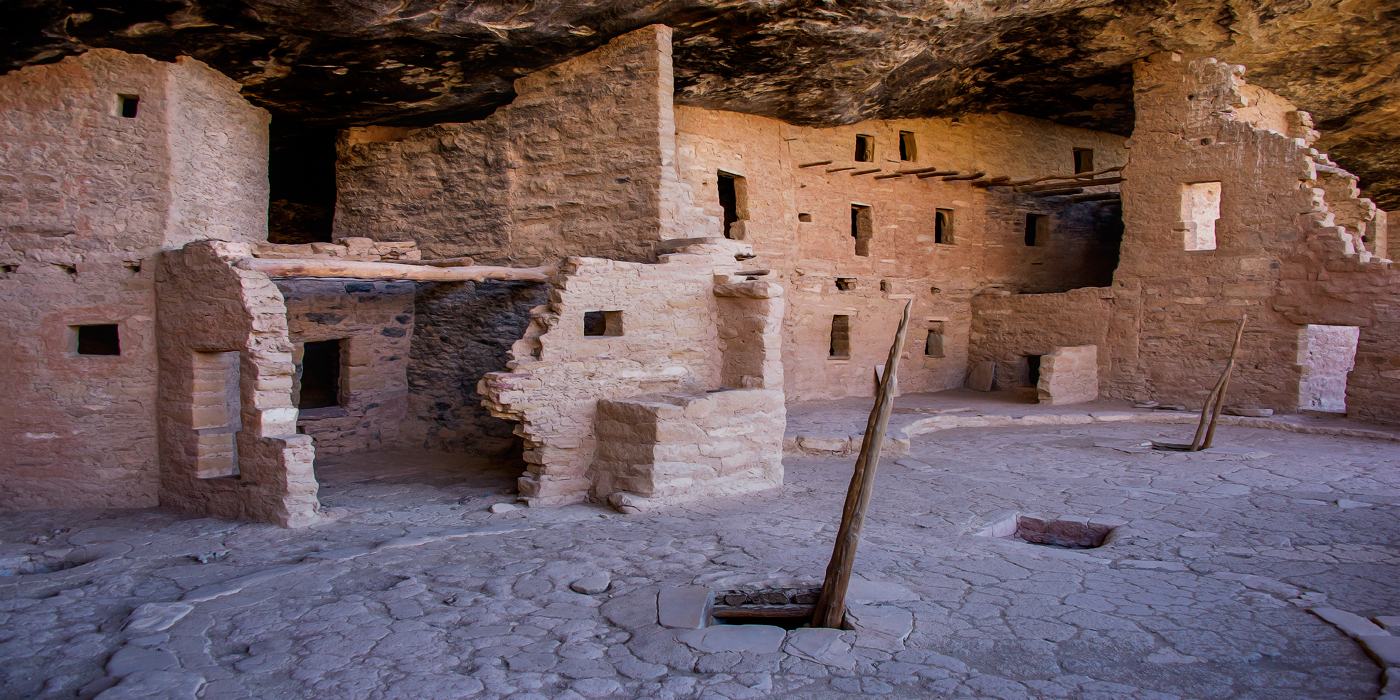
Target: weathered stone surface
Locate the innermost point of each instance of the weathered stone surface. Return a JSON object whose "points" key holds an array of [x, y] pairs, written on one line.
{"points": [[751, 639], [1351, 623], [592, 584], [156, 617], [684, 607], [882, 627], [823, 646], [1385, 649]]}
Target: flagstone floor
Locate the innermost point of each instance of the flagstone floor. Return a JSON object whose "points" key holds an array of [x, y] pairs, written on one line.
{"points": [[412, 588]]}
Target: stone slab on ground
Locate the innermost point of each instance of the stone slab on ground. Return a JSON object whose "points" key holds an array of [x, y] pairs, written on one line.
{"points": [[821, 645], [1385, 649], [753, 639], [1351, 623], [684, 607]]}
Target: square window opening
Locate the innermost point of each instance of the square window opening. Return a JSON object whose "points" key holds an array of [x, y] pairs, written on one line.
{"points": [[865, 148], [97, 340], [933, 344], [908, 147], [840, 337], [1083, 160], [733, 200], [804, 217], [127, 105], [320, 375], [1037, 229], [1200, 210], [862, 227], [602, 323], [943, 226], [845, 284]]}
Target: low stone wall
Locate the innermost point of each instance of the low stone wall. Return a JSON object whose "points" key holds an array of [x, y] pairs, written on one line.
{"points": [[669, 448], [1069, 375]]}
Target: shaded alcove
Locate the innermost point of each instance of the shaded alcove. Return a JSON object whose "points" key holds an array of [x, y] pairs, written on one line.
{"points": [[301, 178]]}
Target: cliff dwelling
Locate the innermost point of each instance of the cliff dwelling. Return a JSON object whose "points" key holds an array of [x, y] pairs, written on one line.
{"points": [[495, 352]]}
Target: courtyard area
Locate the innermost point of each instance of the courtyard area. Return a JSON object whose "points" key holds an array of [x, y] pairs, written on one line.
{"points": [[412, 587]]}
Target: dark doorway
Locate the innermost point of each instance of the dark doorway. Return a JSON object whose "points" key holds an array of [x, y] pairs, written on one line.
{"points": [[729, 202], [1033, 369], [301, 177], [320, 375], [99, 340]]}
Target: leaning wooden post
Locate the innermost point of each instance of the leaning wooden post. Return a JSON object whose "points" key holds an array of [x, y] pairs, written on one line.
{"points": [[831, 605], [1216, 400], [1224, 384]]}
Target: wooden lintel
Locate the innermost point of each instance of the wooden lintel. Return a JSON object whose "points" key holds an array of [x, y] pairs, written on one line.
{"points": [[837, 170], [440, 262], [1075, 183], [761, 611], [887, 176], [969, 176], [1057, 193], [867, 171], [815, 163], [916, 171], [937, 173], [352, 269]]}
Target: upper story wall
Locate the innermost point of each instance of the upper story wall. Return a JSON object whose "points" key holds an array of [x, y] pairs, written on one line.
{"points": [[574, 166], [189, 163]]}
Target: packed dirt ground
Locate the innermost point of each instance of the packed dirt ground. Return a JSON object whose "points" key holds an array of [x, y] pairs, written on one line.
{"points": [[413, 588]]}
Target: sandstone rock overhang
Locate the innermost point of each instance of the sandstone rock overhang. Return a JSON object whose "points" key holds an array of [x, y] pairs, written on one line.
{"points": [[415, 64]]}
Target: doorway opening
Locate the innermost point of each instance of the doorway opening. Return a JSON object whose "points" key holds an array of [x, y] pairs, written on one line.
{"points": [[733, 200], [320, 375], [301, 180]]}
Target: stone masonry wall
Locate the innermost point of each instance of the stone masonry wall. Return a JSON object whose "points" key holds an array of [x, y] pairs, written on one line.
{"points": [[798, 220], [87, 199], [206, 305], [374, 322], [461, 332], [1280, 256], [572, 167], [665, 340]]}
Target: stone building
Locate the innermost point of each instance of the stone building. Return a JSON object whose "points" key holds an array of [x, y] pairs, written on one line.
{"points": [[701, 269]]}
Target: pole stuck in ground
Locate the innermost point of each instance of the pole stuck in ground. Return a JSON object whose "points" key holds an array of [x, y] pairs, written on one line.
{"points": [[831, 605], [1216, 400]]}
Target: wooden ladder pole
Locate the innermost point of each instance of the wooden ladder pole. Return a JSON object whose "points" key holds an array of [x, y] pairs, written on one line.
{"points": [[1210, 412], [831, 605], [1224, 384]]}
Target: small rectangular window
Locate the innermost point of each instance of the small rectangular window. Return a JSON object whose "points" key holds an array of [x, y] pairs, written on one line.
{"points": [[865, 148], [320, 375], [733, 200], [908, 148], [1200, 210], [804, 217], [96, 340], [933, 344], [862, 227], [1037, 229], [840, 337], [127, 104], [1083, 160], [602, 323], [845, 284], [943, 226]]}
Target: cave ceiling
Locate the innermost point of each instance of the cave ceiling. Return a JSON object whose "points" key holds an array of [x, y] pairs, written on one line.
{"points": [[408, 62]]}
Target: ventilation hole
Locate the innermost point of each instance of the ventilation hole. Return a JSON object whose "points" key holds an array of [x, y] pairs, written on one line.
{"points": [[845, 284], [602, 323], [127, 105], [804, 217]]}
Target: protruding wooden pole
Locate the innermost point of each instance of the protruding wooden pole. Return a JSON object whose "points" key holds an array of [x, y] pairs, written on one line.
{"points": [[831, 605], [1216, 400]]}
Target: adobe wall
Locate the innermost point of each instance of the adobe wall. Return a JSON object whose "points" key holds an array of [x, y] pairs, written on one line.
{"points": [[86, 199], [206, 305], [573, 166], [668, 342], [988, 249], [374, 322]]}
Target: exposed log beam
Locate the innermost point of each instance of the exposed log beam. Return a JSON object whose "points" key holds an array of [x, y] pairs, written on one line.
{"points": [[1075, 183]]}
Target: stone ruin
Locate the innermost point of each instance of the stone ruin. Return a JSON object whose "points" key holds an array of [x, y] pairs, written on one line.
{"points": [[630, 291]]}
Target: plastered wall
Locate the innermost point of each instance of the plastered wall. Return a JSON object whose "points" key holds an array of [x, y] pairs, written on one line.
{"points": [[87, 199]]}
